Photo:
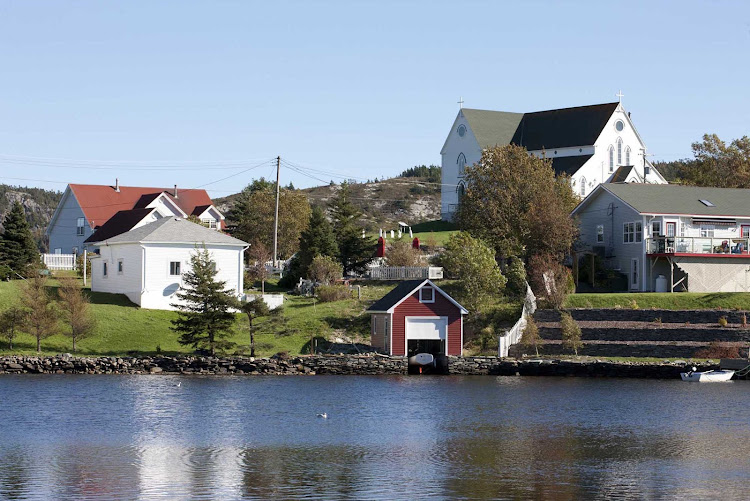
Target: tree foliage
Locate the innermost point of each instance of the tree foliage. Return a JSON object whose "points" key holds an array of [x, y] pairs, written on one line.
{"points": [[11, 321], [325, 270], [551, 279], [720, 164], [77, 309], [258, 255], [41, 319], [571, 332], [433, 173], [204, 320], [516, 275], [354, 251], [18, 249], [253, 212], [472, 263], [514, 203], [401, 253], [530, 338], [318, 239], [253, 309]]}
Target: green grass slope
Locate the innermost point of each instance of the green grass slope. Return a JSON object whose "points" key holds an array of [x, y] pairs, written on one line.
{"points": [[663, 300]]}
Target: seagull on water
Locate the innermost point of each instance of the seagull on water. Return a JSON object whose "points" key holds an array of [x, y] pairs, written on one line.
{"points": [[179, 383], [323, 415]]}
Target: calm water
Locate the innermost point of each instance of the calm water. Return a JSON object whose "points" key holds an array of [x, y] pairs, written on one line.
{"points": [[143, 437]]}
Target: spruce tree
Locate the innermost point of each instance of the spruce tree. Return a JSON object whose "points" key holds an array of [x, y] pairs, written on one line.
{"points": [[354, 251], [17, 247], [317, 240], [205, 319]]}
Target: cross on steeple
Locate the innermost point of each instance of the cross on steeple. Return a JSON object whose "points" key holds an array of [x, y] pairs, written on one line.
{"points": [[620, 95], [461, 103]]}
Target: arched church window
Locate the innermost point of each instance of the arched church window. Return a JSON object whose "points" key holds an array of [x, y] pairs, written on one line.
{"points": [[461, 190], [611, 159], [627, 156], [619, 151], [461, 164], [583, 186]]}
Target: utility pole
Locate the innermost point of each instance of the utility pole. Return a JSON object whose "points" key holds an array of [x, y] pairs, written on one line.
{"points": [[276, 216]]}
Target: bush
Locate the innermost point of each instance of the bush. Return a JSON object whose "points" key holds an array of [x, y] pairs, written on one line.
{"points": [[530, 337], [723, 322], [571, 333], [516, 275], [5, 272], [401, 253], [633, 305], [551, 279], [718, 350], [325, 269], [330, 293], [486, 336]]}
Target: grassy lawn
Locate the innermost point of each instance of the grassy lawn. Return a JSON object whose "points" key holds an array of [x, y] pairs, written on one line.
{"points": [[440, 237], [438, 230], [123, 328], [663, 300]]}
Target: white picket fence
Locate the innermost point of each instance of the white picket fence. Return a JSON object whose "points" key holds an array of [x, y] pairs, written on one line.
{"points": [[513, 336], [59, 261], [406, 272]]}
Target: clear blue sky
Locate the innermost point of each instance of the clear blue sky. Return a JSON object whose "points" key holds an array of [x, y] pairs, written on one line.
{"points": [[363, 89]]}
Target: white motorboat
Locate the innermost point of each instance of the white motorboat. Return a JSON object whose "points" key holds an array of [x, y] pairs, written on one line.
{"points": [[707, 376]]}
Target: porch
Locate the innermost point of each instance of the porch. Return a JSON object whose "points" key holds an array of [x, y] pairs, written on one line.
{"points": [[699, 272], [685, 246]]}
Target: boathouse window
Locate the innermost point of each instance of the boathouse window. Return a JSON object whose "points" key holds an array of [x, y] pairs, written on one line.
{"points": [[426, 295], [174, 268]]}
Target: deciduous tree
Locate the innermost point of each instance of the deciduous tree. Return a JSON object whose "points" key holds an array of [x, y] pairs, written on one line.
{"points": [[258, 255], [401, 253], [205, 319], [550, 279], [325, 269], [472, 263], [515, 204], [41, 319], [719, 164], [253, 309], [530, 338], [17, 246], [571, 332], [11, 321], [77, 308]]}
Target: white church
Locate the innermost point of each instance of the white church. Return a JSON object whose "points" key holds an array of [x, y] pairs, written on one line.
{"points": [[592, 144]]}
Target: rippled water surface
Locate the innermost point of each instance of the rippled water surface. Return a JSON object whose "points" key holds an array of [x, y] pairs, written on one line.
{"points": [[144, 437]]}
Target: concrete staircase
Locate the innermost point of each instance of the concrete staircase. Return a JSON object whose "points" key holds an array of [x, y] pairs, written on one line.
{"points": [[642, 333]]}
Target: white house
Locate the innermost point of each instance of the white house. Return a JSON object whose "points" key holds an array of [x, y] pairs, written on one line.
{"points": [[670, 237], [593, 144], [147, 263]]}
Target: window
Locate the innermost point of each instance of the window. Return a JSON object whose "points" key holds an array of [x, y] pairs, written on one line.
{"points": [[600, 233], [628, 233], [426, 295], [707, 230], [583, 186], [461, 190], [104, 269], [655, 228], [174, 268], [462, 130], [209, 223], [646, 170], [461, 164], [638, 231], [627, 156], [671, 229], [79, 226], [119, 266], [611, 158], [745, 231], [58, 251], [619, 151], [707, 203], [619, 125]]}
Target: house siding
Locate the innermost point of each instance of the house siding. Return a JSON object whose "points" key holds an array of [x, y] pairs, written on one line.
{"points": [[129, 282], [378, 334], [411, 307], [62, 233]]}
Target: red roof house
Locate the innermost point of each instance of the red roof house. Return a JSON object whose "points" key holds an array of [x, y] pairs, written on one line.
{"points": [[417, 317]]}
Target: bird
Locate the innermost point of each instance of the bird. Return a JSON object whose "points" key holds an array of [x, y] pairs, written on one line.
{"points": [[323, 415], [179, 383]]}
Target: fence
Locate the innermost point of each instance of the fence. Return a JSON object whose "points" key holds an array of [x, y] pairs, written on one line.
{"points": [[406, 272], [513, 336], [59, 261]]}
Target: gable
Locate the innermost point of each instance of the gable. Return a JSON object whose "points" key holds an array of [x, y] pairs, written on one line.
{"points": [[405, 290]]}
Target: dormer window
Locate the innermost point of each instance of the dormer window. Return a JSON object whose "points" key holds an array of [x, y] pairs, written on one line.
{"points": [[427, 294]]}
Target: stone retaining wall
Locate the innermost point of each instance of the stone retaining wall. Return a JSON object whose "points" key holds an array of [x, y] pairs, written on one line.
{"points": [[335, 364], [643, 315]]}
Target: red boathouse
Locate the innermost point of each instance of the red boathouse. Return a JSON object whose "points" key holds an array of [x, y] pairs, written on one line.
{"points": [[417, 317]]}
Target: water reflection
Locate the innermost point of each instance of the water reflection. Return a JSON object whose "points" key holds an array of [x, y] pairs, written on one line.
{"points": [[258, 438]]}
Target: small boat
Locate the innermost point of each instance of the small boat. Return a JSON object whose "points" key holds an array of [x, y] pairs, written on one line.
{"points": [[707, 376]]}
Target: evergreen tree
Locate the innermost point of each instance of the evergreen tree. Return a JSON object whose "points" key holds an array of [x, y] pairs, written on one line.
{"points": [[317, 240], [354, 251], [205, 319], [17, 247]]}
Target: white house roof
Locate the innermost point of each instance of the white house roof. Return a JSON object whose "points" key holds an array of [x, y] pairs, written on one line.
{"points": [[174, 230]]}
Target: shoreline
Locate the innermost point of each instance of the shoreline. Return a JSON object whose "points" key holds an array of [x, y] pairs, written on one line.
{"points": [[370, 364]]}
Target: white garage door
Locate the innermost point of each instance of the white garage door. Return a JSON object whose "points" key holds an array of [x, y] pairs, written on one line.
{"points": [[426, 328]]}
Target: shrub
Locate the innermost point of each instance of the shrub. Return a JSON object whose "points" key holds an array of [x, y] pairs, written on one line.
{"points": [[530, 337], [657, 320], [486, 336], [330, 293], [551, 279], [633, 305], [723, 322], [516, 275], [325, 269], [718, 350], [571, 333], [744, 321], [401, 253]]}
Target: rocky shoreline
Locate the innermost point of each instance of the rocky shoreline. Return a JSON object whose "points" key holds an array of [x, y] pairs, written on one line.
{"points": [[371, 364]]}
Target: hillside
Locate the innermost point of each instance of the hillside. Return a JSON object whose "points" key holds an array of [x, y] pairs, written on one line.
{"points": [[384, 203], [38, 204]]}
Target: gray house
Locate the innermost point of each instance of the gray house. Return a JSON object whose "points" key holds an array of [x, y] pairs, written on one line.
{"points": [[667, 237]]}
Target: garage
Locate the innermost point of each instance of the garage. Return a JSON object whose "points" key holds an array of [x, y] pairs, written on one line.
{"points": [[426, 335]]}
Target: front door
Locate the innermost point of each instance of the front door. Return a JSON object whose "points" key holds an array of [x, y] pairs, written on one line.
{"points": [[634, 274]]}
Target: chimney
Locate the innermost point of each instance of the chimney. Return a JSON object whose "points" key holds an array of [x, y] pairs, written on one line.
{"points": [[174, 193], [117, 185]]}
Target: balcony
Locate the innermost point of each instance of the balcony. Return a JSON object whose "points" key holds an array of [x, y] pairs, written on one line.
{"points": [[717, 246]]}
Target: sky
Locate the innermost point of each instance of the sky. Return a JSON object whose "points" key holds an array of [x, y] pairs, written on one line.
{"points": [[207, 94]]}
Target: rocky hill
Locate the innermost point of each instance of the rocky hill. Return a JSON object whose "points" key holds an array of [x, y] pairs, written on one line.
{"points": [[383, 203], [38, 204]]}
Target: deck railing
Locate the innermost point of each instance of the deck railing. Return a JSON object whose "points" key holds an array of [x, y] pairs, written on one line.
{"points": [[59, 261], [406, 272], [697, 245]]}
